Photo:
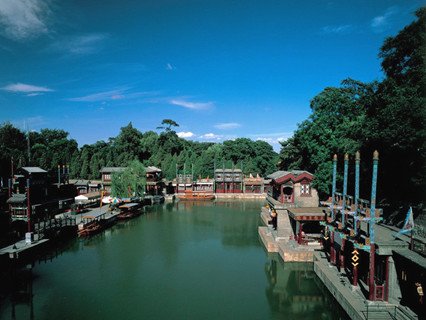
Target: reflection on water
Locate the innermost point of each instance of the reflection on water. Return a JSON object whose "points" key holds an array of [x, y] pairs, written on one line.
{"points": [[18, 286], [295, 290], [181, 260]]}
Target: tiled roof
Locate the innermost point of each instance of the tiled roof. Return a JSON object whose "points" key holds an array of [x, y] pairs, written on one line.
{"points": [[279, 174], [152, 169], [17, 198], [34, 170], [112, 169], [229, 170]]}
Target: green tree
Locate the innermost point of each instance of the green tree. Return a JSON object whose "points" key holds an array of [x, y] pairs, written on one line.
{"points": [[130, 182], [167, 125]]}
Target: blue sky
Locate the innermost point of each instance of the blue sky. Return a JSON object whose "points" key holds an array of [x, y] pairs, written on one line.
{"points": [[221, 69]]}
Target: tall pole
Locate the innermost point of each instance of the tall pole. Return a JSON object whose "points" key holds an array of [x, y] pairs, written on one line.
{"points": [[333, 190], [68, 173], [177, 179], [59, 175], [184, 176], [223, 175], [28, 147], [10, 194], [357, 162], [214, 175], [11, 166], [28, 206], [345, 190], [371, 227]]}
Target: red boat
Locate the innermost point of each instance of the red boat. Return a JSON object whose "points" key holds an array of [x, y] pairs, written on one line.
{"points": [[90, 228], [196, 196]]}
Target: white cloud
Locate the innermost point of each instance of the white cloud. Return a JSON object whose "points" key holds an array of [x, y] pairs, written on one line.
{"points": [[342, 29], [211, 137], [23, 19], [192, 105], [382, 22], [80, 44], [31, 90], [101, 96], [170, 67], [227, 125], [184, 134]]}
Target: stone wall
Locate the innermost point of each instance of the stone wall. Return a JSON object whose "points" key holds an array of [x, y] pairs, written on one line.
{"points": [[304, 201]]}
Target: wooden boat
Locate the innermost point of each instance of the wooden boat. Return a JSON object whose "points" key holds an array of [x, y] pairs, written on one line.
{"points": [[92, 225], [128, 211], [196, 196], [90, 228]]}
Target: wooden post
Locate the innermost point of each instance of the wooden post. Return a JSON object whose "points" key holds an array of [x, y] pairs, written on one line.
{"points": [[28, 206], [386, 298], [355, 276], [332, 249]]}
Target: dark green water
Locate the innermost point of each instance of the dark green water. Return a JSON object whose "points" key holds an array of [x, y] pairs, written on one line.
{"points": [[180, 261]]}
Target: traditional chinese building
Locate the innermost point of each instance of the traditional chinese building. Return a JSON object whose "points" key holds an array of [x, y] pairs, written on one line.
{"points": [[253, 184], [183, 182], [32, 197], [375, 259], [203, 185], [154, 183], [293, 188], [86, 186], [228, 181], [106, 176], [296, 204]]}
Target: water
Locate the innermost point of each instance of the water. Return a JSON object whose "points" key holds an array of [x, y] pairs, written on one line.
{"points": [[178, 261]]}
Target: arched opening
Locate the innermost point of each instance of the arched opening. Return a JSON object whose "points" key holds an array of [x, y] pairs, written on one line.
{"points": [[288, 194]]}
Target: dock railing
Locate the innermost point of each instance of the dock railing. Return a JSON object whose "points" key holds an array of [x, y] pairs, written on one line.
{"points": [[380, 311]]}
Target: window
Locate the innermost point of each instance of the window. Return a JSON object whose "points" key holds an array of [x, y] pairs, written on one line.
{"points": [[305, 190]]}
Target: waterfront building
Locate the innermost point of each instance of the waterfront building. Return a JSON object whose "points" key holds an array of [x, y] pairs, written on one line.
{"points": [[295, 201], [86, 186], [183, 183], [106, 176], [228, 181], [293, 188], [203, 185], [32, 197], [154, 182], [378, 262], [253, 184]]}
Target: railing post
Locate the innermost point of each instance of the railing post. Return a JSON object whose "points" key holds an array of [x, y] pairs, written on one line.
{"points": [[357, 162], [345, 189], [333, 190], [372, 293]]}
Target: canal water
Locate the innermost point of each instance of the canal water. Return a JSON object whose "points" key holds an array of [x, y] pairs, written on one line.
{"points": [[177, 261]]}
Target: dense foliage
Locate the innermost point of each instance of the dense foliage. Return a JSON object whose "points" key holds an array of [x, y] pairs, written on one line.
{"points": [[130, 182], [388, 116], [165, 150]]}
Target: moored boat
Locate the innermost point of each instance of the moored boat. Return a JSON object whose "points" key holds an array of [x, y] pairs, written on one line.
{"points": [[196, 196], [89, 229], [128, 211]]}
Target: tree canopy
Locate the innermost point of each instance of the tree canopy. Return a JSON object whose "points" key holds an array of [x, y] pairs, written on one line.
{"points": [[388, 116]]}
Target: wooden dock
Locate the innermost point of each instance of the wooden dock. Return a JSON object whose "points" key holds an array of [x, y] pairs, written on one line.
{"points": [[22, 248]]}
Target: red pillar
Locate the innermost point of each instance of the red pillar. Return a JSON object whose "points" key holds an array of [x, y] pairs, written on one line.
{"points": [[371, 282], [387, 280], [355, 276], [342, 256], [332, 250]]}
